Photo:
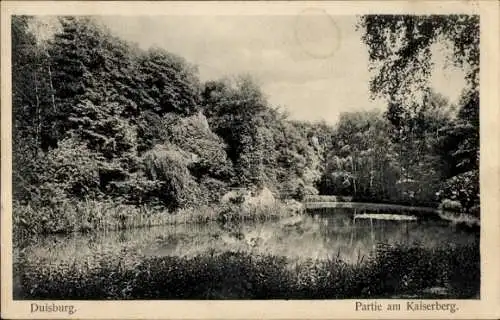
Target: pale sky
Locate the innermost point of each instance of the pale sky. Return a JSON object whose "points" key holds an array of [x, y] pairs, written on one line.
{"points": [[314, 68]]}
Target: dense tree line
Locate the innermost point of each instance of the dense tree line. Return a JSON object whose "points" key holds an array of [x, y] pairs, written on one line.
{"points": [[400, 54], [97, 117], [108, 120]]}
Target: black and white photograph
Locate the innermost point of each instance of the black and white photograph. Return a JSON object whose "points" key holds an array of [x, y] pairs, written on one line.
{"points": [[306, 156]]}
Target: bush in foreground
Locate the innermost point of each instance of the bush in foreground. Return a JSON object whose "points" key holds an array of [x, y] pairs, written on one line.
{"points": [[392, 272]]}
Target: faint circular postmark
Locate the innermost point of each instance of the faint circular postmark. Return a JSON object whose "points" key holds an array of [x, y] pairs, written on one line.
{"points": [[317, 33]]}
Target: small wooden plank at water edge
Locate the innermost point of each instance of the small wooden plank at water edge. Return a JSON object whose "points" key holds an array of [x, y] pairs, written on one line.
{"points": [[384, 216]]}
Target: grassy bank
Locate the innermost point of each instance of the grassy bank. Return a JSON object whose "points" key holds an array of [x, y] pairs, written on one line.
{"points": [[394, 271], [92, 216]]}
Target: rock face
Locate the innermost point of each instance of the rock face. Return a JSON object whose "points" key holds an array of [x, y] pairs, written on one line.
{"points": [[202, 121], [264, 198]]}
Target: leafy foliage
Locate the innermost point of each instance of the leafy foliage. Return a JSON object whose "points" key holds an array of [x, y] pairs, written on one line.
{"points": [[169, 83], [400, 54], [97, 118], [394, 272], [169, 165], [399, 49]]}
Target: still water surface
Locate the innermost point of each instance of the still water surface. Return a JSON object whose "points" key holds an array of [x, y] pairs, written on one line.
{"points": [[331, 233]]}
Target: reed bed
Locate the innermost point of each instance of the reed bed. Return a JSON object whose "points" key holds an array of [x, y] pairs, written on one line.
{"points": [[391, 272], [83, 216], [98, 216]]}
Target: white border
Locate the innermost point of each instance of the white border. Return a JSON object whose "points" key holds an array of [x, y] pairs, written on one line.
{"points": [[487, 307]]}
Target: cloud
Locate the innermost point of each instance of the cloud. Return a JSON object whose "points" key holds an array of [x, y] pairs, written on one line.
{"points": [[276, 50]]}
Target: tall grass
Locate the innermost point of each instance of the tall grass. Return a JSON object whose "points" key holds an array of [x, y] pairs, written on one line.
{"points": [[90, 216], [392, 272], [83, 216]]}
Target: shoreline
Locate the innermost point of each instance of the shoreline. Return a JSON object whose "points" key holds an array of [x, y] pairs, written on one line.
{"points": [[114, 217], [265, 276]]}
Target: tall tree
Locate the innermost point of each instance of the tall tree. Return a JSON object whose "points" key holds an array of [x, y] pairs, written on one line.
{"points": [[361, 160], [94, 83], [169, 83], [33, 106], [236, 113], [400, 55]]}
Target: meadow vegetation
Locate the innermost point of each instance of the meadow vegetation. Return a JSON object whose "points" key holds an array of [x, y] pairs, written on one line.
{"points": [[392, 272], [98, 216]]}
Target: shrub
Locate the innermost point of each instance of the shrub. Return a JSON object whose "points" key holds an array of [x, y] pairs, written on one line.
{"points": [[168, 164], [450, 205], [70, 170], [393, 271], [193, 135], [463, 188], [212, 189]]}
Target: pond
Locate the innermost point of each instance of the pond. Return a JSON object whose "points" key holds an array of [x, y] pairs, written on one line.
{"points": [[316, 235]]}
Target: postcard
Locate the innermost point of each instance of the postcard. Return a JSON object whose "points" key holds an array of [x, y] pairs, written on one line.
{"points": [[258, 160]]}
